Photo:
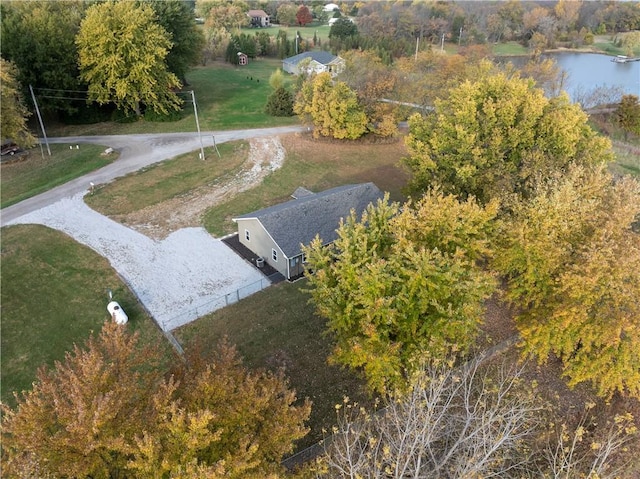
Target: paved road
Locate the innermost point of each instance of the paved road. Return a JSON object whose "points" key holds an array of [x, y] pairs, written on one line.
{"points": [[136, 151]]}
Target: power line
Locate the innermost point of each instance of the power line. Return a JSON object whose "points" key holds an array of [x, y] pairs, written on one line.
{"points": [[61, 90], [62, 97]]}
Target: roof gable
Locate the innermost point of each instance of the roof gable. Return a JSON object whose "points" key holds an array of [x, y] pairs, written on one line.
{"points": [[298, 221], [257, 13], [325, 58]]}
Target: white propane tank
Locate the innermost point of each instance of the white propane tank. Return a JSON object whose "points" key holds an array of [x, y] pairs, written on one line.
{"points": [[117, 313]]}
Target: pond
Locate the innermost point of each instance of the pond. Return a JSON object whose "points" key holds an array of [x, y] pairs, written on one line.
{"points": [[590, 71]]}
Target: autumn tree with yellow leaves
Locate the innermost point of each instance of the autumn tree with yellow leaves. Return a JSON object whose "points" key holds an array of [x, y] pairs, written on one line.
{"points": [[331, 107], [571, 255], [403, 287], [494, 135]]}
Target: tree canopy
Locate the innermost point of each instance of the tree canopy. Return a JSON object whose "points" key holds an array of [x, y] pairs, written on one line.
{"points": [[13, 121], [122, 55], [494, 135], [332, 107], [111, 410], [572, 260], [402, 288], [628, 114], [39, 38], [187, 40]]}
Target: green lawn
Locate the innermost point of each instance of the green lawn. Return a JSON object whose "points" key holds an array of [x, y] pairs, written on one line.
{"points": [[168, 179], [320, 31], [54, 293], [227, 97], [37, 172], [509, 48]]}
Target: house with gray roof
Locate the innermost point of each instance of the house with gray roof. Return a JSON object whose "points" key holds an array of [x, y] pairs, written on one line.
{"points": [[277, 233], [313, 62]]}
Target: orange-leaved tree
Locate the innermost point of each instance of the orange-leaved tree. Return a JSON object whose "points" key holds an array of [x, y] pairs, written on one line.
{"points": [[111, 410]]}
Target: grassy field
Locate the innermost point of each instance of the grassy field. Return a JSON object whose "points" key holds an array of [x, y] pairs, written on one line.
{"points": [[320, 31], [34, 174], [227, 97], [316, 165], [165, 180], [277, 328], [509, 48], [54, 293]]}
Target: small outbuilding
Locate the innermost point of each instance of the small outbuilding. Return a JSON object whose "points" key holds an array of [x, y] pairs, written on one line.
{"points": [[277, 233]]}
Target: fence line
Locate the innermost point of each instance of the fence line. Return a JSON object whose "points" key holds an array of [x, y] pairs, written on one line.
{"points": [[218, 302]]}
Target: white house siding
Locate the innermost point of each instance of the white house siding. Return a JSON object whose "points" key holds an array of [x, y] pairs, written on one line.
{"points": [[261, 243]]}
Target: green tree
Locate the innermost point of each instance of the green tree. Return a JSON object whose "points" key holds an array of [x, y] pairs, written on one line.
{"points": [[628, 115], [276, 79], [343, 28], [122, 56], [186, 38], [280, 102], [113, 410], [402, 288], [13, 113], [572, 261], [287, 14], [494, 135], [39, 38], [332, 107]]}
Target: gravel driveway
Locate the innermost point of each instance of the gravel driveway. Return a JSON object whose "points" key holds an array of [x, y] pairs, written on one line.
{"points": [[179, 278]]}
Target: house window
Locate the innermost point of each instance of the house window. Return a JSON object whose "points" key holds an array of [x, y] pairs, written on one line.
{"points": [[247, 235], [274, 255]]}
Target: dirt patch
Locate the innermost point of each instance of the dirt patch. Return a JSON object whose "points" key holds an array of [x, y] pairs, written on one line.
{"points": [[160, 220]]}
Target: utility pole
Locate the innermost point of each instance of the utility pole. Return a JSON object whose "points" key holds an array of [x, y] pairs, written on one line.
{"points": [[195, 110], [417, 43], [44, 134]]}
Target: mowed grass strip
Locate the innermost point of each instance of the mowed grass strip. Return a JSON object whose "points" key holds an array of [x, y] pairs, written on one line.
{"points": [[277, 328], [317, 165], [34, 174], [54, 293], [227, 97], [168, 179]]}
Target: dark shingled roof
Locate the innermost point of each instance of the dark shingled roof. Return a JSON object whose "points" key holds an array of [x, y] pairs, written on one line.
{"points": [[299, 221], [320, 56]]}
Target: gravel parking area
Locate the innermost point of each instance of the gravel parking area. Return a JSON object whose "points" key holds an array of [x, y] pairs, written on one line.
{"points": [[178, 279]]}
